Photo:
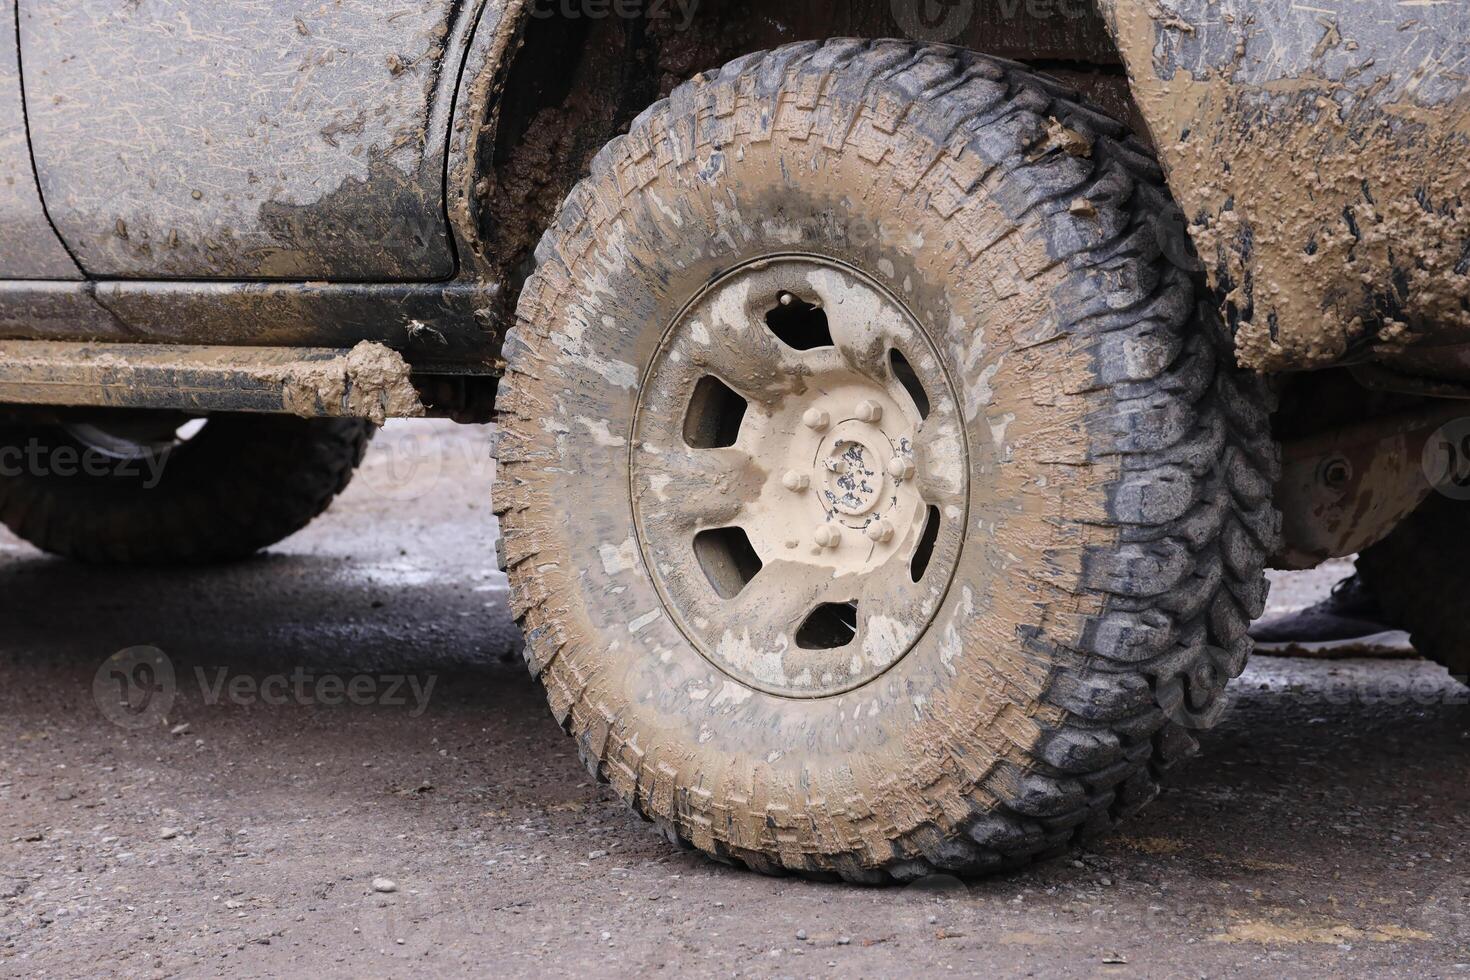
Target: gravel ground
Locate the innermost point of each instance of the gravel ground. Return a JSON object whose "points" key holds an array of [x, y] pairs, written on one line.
{"points": [[445, 826]]}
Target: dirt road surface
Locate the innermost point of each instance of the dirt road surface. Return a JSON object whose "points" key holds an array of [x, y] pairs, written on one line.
{"points": [[268, 824]]}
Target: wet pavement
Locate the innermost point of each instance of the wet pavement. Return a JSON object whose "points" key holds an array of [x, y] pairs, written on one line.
{"points": [[350, 773]]}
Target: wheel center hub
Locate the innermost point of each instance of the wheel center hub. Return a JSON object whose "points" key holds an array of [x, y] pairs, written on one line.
{"points": [[852, 480]]}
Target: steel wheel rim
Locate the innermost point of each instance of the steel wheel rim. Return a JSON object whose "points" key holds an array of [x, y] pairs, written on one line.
{"points": [[803, 547]]}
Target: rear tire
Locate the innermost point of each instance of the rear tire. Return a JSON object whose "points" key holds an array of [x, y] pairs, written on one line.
{"points": [[242, 483], [1100, 463]]}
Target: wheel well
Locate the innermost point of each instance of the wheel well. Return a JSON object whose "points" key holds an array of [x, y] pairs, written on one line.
{"points": [[584, 69]]}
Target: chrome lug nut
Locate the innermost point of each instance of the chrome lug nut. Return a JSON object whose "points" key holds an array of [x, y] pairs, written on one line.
{"points": [[816, 419], [827, 536], [879, 532], [795, 482]]}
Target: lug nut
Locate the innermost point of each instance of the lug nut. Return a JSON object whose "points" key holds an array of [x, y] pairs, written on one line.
{"points": [[900, 468], [827, 536], [870, 411], [795, 482], [879, 532], [816, 419]]}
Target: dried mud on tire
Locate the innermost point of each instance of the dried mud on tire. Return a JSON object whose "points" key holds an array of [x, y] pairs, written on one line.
{"points": [[1120, 467]]}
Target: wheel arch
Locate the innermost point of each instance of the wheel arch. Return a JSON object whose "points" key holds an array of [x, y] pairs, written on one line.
{"points": [[1320, 156], [547, 83]]}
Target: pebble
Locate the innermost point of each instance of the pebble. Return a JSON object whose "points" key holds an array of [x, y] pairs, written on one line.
{"points": [[168, 833], [801, 934], [182, 728], [384, 885], [843, 940]]}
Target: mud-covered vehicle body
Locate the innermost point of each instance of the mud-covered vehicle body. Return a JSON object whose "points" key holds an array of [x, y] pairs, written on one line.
{"points": [[894, 433]]}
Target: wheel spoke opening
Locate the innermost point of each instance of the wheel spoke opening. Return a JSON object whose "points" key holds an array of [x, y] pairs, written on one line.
{"points": [[905, 374], [830, 625], [728, 559], [798, 324], [922, 555], [714, 415]]}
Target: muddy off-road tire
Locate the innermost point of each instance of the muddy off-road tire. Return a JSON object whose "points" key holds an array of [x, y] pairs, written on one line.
{"points": [[875, 489], [1420, 576], [238, 484]]}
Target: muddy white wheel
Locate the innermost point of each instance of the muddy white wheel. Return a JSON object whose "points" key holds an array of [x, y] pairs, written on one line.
{"points": [[871, 506], [799, 474]]}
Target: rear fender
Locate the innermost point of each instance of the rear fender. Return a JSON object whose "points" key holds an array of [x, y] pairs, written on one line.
{"points": [[1323, 161]]}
